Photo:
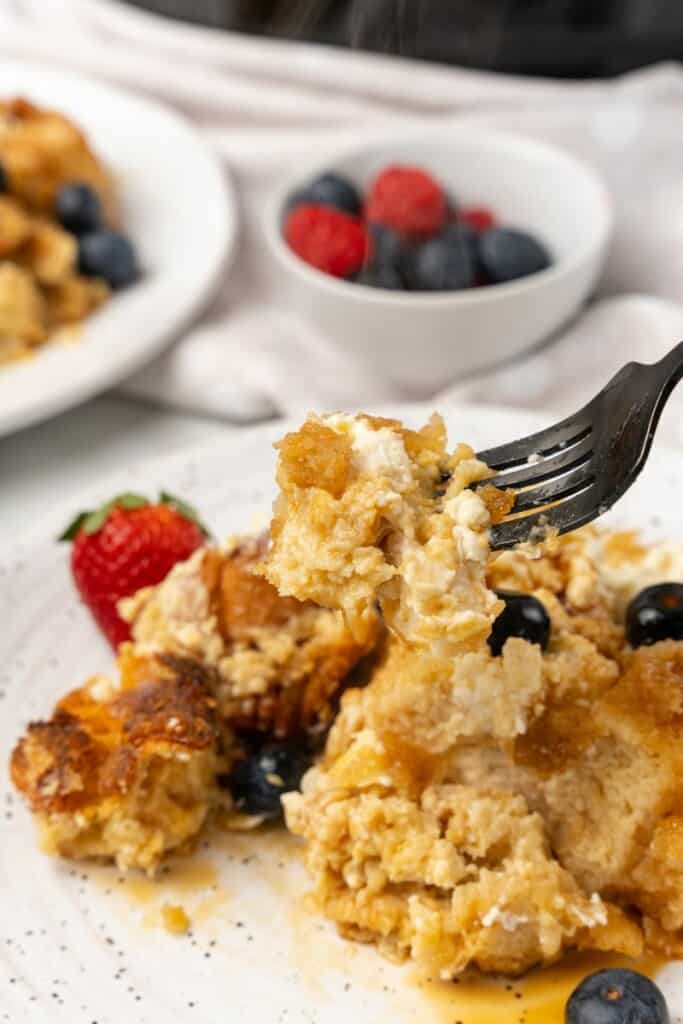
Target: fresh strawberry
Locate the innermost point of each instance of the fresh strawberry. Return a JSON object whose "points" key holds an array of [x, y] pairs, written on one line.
{"points": [[125, 545], [408, 200]]}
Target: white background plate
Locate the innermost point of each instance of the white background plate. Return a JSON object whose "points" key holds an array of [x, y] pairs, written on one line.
{"points": [[78, 947], [178, 209]]}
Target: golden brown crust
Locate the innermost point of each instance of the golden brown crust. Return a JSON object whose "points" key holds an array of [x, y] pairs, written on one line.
{"points": [[91, 749], [178, 711], [316, 456], [498, 502], [57, 764], [125, 771], [243, 600]]}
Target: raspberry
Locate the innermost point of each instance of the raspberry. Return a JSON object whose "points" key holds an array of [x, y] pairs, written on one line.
{"points": [[328, 239], [408, 200], [478, 217]]}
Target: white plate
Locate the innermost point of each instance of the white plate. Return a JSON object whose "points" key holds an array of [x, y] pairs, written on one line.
{"points": [[76, 946], [177, 207]]}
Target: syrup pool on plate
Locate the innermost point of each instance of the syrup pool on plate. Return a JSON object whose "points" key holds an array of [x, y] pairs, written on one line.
{"points": [[537, 998]]}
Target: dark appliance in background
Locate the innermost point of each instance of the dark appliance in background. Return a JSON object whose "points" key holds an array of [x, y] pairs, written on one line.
{"points": [[561, 38]]}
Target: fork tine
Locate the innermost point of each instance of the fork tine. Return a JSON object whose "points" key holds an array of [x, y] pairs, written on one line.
{"points": [[546, 468], [588, 461], [574, 511], [556, 488], [559, 436]]}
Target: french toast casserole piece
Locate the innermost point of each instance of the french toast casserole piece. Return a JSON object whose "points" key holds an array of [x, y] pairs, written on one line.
{"points": [[473, 809], [469, 808], [41, 288], [128, 769], [123, 771]]}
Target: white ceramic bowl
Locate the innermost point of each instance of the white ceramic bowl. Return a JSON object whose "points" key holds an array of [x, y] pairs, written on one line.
{"points": [[423, 341]]}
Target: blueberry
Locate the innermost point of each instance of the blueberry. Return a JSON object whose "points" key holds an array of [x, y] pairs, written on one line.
{"points": [[78, 208], [616, 996], [4, 181], [258, 782], [506, 254], [445, 263], [523, 616], [656, 613], [389, 247], [329, 189], [109, 255], [375, 276], [388, 261]]}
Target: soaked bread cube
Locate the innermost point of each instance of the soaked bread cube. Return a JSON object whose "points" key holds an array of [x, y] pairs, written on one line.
{"points": [[73, 298], [122, 773], [22, 312], [50, 253], [15, 226]]}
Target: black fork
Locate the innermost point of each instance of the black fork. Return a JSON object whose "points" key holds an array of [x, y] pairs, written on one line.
{"points": [[571, 473]]}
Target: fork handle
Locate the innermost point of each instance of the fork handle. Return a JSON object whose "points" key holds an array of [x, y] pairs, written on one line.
{"points": [[650, 385], [662, 377], [671, 367]]}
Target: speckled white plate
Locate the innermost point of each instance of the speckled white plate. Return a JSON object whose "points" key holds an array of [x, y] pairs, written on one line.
{"points": [[177, 206], [79, 946]]}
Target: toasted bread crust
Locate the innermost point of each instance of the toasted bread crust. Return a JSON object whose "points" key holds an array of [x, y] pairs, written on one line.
{"points": [[90, 750], [242, 600]]}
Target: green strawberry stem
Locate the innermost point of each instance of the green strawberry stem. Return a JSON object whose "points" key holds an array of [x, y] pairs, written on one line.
{"points": [[184, 509], [93, 520]]}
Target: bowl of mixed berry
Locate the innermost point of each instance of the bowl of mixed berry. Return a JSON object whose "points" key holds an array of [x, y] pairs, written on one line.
{"points": [[439, 252], [406, 233]]}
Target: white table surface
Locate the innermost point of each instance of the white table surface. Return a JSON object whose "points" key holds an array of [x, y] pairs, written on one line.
{"points": [[42, 465]]}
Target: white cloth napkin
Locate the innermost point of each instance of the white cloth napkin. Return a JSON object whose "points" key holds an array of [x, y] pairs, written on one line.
{"points": [[263, 105]]}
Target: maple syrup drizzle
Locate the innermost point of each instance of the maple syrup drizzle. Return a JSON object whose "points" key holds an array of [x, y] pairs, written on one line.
{"points": [[193, 884], [539, 997]]}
